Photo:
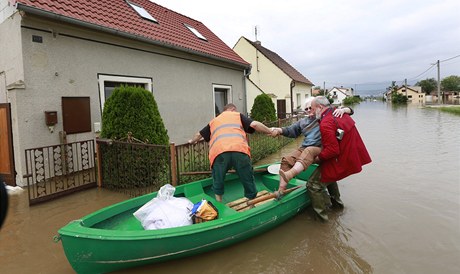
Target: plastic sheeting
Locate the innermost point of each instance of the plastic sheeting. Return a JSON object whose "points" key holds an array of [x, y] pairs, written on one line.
{"points": [[165, 210]]}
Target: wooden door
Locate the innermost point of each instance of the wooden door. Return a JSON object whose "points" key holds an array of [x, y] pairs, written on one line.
{"points": [[7, 171], [281, 108]]}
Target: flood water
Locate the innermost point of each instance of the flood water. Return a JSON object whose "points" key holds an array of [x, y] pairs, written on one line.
{"points": [[402, 212]]}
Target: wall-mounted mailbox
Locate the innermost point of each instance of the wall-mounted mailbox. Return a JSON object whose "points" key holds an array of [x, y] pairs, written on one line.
{"points": [[51, 118]]}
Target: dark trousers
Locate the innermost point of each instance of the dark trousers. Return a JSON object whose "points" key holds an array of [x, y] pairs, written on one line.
{"points": [[243, 166]]}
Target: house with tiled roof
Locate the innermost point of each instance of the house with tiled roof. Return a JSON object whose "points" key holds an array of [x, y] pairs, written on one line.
{"points": [[273, 75], [339, 94], [61, 59], [414, 94]]}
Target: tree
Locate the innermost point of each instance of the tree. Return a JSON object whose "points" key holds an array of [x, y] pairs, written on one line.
{"points": [[263, 109], [451, 83], [398, 98], [428, 85], [351, 100], [133, 109]]}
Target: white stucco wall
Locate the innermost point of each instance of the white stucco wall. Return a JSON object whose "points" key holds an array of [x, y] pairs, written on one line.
{"points": [[339, 97], [6, 10], [11, 63], [304, 90], [271, 79], [264, 73], [69, 60]]}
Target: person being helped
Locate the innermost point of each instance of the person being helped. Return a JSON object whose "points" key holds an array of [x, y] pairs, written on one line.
{"points": [[343, 152], [301, 158], [228, 147]]}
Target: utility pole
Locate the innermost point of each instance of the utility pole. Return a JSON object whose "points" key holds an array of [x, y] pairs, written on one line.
{"points": [[439, 84], [324, 88]]}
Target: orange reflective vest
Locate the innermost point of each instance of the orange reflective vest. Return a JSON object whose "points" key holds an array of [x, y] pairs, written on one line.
{"points": [[227, 134]]}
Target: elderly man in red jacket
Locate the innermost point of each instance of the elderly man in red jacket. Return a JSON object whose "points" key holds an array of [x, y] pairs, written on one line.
{"points": [[343, 152]]}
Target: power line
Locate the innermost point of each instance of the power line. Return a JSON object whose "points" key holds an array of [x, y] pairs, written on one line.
{"points": [[450, 58], [385, 82], [432, 65]]}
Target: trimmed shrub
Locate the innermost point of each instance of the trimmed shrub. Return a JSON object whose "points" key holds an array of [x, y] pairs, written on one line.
{"points": [[133, 109], [263, 109]]}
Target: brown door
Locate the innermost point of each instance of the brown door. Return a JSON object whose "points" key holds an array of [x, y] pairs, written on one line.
{"points": [[281, 108], [7, 171]]}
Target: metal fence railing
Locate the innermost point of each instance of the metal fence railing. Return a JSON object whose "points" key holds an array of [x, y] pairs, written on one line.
{"points": [[54, 171], [141, 168]]}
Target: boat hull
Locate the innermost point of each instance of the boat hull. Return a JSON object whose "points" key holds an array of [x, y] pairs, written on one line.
{"points": [[111, 239]]}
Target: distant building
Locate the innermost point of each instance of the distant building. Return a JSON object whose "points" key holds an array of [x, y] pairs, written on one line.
{"points": [[414, 94], [338, 94], [316, 92]]}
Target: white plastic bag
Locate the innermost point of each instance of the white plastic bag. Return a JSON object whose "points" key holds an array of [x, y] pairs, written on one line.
{"points": [[165, 210]]}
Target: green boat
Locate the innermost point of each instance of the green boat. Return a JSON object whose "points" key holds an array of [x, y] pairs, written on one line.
{"points": [[112, 238]]}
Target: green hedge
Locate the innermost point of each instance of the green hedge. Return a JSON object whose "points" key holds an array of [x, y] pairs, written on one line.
{"points": [[133, 109], [263, 109]]}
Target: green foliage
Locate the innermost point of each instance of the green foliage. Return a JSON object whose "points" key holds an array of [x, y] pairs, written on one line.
{"points": [[451, 83], [133, 109], [428, 85], [329, 97], [453, 110], [351, 100], [397, 98], [321, 91], [263, 109]]}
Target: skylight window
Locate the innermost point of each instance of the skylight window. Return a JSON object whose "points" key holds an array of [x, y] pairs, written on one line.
{"points": [[197, 33], [142, 12]]}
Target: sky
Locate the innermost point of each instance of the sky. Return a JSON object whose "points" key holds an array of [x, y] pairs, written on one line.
{"points": [[362, 44]]}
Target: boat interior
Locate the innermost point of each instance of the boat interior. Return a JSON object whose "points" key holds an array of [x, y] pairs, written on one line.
{"points": [[122, 214]]}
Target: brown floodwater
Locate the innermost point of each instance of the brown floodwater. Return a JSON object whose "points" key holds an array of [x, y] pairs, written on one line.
{"points": [[402, 212]]}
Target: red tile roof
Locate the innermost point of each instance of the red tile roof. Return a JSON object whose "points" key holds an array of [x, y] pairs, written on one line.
{"points": [[281, 63], [117, 16]]}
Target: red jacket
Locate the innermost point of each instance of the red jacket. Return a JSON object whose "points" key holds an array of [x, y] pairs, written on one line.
{"points": [[340, 159]]}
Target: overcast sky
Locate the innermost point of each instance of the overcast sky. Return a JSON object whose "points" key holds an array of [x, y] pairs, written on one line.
{"points": [[364, 44]]}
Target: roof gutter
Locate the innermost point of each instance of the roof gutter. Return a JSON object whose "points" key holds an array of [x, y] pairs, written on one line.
{"points": [[62, 18], [292, 93], [246, 74]]}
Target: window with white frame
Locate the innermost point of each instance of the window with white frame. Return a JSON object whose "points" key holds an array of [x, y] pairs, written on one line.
{"points": [[108, 83], [298, 100], [222, 96], [196, 32], [142, 12]]}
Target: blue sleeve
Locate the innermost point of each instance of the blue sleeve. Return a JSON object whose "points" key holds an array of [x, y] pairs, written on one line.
{"points": [[293, 130]]}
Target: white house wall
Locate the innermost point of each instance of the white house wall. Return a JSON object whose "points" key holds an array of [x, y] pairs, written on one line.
{"points": [[252, 92], [304, 90], [6, 10], [10, 50], [69, 60], [264, 73]]}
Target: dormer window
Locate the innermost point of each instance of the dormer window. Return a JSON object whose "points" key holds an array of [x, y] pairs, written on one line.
{"points": [[197, 33], [142, 12]]}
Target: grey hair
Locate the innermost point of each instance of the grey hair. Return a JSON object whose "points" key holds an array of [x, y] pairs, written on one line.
{"points": [[307, 102], [321, 100]]}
